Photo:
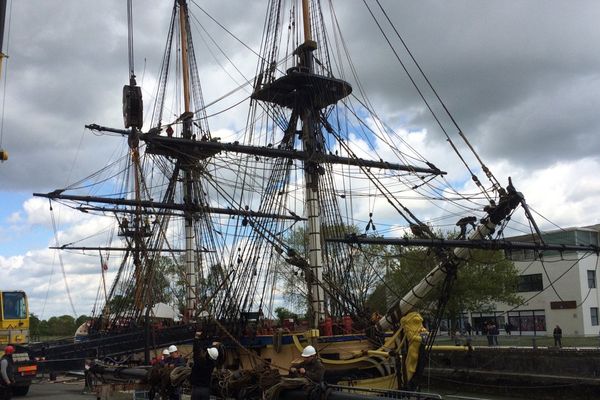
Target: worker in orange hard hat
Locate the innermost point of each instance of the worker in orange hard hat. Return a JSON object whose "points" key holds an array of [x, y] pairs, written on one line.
{"points": [[7, 372]]}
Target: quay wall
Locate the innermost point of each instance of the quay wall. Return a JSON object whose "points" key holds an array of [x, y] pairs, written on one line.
{"points": [[542, 373]]}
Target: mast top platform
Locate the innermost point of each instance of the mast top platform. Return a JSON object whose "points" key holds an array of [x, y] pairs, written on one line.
{"points": [[300, 89]]}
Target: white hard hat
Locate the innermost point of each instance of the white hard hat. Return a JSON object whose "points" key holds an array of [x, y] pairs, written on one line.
{"points": [[172, 348], [213, 353], [166, 352], [308, 351]]}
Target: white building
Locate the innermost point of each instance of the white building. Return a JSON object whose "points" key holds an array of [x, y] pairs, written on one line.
{"points": [[558, 288]]}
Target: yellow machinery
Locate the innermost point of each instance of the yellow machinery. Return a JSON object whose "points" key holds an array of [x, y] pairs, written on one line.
{"points": [[14, 318], [14, 330]]}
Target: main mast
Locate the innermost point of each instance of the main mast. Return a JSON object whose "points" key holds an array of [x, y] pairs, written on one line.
{"points": [[311, 176], [190, 262], [306, 93]]}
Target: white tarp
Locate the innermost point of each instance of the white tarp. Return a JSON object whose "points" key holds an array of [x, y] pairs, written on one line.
{"points": [[163, 310]]}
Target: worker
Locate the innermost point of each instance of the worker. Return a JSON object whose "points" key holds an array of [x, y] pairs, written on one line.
{"points": [[160, 360], [7, 373], [164, 360], [175, 358], [303, 375], [205, 360], [310, 367]]}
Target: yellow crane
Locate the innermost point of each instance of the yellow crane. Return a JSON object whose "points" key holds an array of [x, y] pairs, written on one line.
{"points": [[14, 331]]}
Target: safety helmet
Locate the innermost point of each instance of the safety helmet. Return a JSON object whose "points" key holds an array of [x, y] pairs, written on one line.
{"points": [[172, 348], [308, 351], [213, 353], [166, 352], [9, 350]]}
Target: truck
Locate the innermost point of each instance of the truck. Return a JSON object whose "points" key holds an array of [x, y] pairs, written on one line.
{"points": [[14, 330]]}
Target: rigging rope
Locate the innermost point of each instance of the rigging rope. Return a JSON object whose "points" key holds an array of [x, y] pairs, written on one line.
{"points": [[421, 94], [62, 265], [460, 132]]}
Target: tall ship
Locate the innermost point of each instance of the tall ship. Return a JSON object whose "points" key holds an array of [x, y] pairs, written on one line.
{"points": [[313, 200]]}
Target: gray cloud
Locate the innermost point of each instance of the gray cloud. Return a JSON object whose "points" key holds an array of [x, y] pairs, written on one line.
{"points": [[521, 78]]}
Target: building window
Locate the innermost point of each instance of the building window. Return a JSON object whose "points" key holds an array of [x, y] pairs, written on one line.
{"points": [[594, 314], [14, 305], [527, 321], [530, 283], [591, 279]]}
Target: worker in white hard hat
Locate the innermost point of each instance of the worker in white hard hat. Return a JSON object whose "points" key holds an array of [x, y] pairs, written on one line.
{"points": [[205, 360], [304, 374], [165, 357], [175, 359], [310, 367]]}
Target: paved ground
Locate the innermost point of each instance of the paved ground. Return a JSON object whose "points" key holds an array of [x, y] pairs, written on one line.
{"points": [[67, 390]]}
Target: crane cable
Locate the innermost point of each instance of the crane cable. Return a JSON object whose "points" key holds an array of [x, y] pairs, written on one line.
{"points": [[130, 40], [4, 154]]}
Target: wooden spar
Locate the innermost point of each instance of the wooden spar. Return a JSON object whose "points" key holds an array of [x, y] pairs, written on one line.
{"points": [[185, 72], [306, 20], [160, 207]]}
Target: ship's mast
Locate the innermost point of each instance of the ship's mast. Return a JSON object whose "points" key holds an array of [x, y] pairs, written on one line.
{"points": [[306, 92], [190, 262], [311, 176], [133, 118]]}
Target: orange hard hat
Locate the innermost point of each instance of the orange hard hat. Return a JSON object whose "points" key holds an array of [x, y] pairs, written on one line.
{"points": [[9, 350]]}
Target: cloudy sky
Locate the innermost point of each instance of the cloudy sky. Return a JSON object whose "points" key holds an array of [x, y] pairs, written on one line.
{"points": [[522, 78]]}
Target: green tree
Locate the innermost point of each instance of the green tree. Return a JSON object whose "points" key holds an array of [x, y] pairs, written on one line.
{"points": [[167, 286], [34, 324], [349, 273], [61, 326], [283, 313]]}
